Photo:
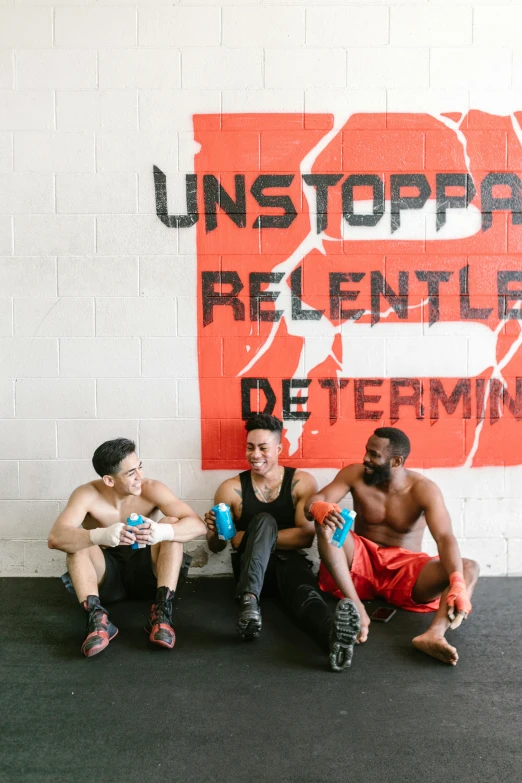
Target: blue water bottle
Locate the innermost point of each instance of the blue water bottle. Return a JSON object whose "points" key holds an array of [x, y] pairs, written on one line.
{"points": [[339, 537], [224, 523], [132, 521]]}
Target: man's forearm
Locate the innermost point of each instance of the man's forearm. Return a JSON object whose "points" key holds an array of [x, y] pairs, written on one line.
{"points": [[312, 499], [70, 540], [294, 538], [449, 553], [186, 529]]}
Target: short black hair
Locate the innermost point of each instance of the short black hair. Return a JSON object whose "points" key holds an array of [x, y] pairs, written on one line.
{"points": [[108, 457], [263, 421], [400, 445]]}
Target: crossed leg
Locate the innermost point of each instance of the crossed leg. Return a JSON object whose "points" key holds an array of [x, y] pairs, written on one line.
{"points": [[432, 582]]}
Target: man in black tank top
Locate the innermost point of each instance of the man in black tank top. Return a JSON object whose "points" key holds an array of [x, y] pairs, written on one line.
{"points": [[267, 504]]}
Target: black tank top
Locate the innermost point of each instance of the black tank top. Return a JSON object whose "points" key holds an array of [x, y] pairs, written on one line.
{"points": [[282, 508]]}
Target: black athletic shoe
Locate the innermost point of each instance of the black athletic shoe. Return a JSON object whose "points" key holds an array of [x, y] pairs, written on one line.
{"points": [[100, 630], [248, 623], [345, 628], [160, 628]]}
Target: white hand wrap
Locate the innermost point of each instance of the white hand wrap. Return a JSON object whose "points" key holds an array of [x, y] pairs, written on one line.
{"points": [[160, 532], [107, 536]]}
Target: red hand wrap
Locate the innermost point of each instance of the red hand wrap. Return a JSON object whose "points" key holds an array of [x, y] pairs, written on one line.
{"points": [[320, 510], [458, 594]]}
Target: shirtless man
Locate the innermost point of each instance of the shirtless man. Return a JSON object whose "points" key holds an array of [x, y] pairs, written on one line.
{"points": [[383, 556], [100, 561], [267, 504]]}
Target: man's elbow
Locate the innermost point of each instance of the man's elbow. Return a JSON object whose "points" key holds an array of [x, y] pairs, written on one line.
{"points": [[52, 542], [308, 540]]}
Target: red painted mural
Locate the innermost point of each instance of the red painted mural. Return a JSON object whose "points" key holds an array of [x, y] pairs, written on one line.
{"points": [[357, 275]]}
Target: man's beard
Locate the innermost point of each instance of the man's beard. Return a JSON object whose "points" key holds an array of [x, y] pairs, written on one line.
{"points": [[379, 475]]}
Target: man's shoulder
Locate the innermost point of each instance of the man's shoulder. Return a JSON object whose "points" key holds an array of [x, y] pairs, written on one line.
{"points": [[423, 487], [303, 483], [87, 493]]}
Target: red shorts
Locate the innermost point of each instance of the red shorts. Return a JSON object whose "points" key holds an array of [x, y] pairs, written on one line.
{"points": [[387, 572]]}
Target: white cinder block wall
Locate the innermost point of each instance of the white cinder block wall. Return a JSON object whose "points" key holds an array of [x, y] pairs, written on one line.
{"points": [[98, 298]]}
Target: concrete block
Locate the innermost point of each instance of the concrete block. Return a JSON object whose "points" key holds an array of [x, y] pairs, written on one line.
{"points": [[174, 110], [353, 25], [59, 68], [139, 398], [26, 193], [387, 68], [232, 69], [63, 317], [28, 276], [90, 110], [264, 26], [170, 439], [165, 470], [467, 67], [514, 557], [55, 398], [89, 276], [135, 317], [178, 26], [22, 519], [95, 26], [197, 484], [139, 68], [492, 518], [513, 481], [364, 358], [170, 358], [49, 235], [53, 479], [496, 24], [23, 110], [464, 482], [96, 193], [431, 26], [27, 439], [39, 560], [11, 558], [7, 399], [6, 235], [9, 485], [99, 358], [430, 101], [6, 153], [20, 29], [187, 317], [27, 358], [266, 101], [426, 357], [188, 398], [168, 276], [6, 69], [54, 152], [120, 235], [78, 439], [490, 554], [305, 68], [136, 152], [6, 317]]}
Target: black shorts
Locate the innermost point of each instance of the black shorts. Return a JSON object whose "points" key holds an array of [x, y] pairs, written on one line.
{"points": [[129, 574]]}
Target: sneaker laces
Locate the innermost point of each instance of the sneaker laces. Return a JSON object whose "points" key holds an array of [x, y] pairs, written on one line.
{"points": [[162, 612]]}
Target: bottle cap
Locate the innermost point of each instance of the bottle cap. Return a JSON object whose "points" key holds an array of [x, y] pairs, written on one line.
{"points": [[222, 506], [133, 517]]}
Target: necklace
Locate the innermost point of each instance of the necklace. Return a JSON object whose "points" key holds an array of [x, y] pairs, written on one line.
{"points": [[267, 496]]}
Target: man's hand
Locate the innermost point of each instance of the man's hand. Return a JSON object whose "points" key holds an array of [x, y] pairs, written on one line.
{"points": [[457, 600], [327, 514], [210, 522], [115, 535], [150, 532], [237, 539]]}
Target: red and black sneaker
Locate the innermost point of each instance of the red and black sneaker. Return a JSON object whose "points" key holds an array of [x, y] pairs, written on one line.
{"points": [[100, 630], [160, 628]]}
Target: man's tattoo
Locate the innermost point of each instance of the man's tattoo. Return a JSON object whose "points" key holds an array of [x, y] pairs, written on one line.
{"points": [[240, 493], [294, 483]]}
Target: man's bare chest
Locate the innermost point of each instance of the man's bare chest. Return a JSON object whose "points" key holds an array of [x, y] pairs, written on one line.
{"points": [[104, 515], [397, 511]]}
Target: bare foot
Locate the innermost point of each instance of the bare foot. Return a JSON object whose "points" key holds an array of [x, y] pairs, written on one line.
{"points": [[437, 647], [365, 626]]}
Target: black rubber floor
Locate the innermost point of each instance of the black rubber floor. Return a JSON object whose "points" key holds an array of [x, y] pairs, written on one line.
{"points": [[218, 709]]}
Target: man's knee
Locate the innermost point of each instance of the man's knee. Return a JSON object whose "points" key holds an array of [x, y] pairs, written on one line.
{"points": [[263, 521], [471, 568]]}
